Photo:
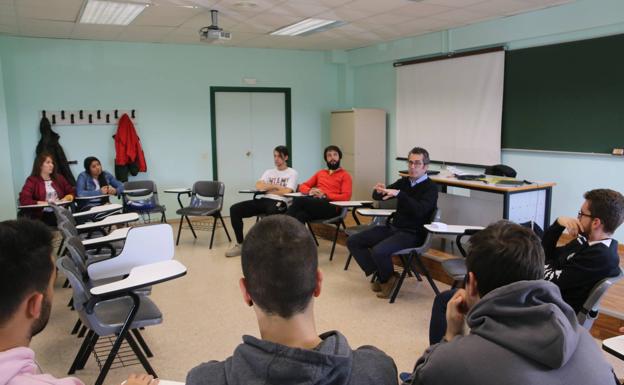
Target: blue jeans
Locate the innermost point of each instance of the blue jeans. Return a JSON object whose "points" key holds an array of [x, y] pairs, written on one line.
{"points": [[373, 248]]}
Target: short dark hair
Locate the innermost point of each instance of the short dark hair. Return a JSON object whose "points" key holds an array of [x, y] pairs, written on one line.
{"points": [[606, 205], [503, 253], [279, 260], [332, 147], [420, 151], [25, 262], [282, 150], [36, 170]]}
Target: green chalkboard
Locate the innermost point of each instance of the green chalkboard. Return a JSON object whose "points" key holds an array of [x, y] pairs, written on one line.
{"points": [[565, 97]]}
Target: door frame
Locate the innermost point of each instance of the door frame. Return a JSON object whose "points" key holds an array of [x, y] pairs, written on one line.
{"points": [[213, 118]]}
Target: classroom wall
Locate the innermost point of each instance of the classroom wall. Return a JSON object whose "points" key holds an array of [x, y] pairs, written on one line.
{"points": [[169, 86], [374, 85], [7, 196]]}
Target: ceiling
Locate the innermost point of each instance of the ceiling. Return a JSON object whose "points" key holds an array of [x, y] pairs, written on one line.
{"points": [[178, 21]]}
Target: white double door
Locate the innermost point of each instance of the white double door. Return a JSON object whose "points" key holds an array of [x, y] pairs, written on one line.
{"points": [[248, 127]]}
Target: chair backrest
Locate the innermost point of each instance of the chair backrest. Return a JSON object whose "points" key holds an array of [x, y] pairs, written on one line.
{"points": [[62, 213], [144, 245], [150, 193], [589, 312], [80, 291], [208, 194], [429, 237], [77, 253]]}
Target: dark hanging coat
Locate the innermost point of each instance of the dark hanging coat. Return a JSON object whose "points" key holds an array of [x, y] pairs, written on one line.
{"points": [[49, 142]]}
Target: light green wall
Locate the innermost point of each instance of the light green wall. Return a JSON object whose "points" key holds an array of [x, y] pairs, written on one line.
{"points": [[7, 196], [374, 85], [169, 86]]}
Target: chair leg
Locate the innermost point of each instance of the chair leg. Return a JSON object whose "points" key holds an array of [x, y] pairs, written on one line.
{"points": [[426, 273], [214, 227], [191, 226], [82, 332], [331, 254], [137, 351], [92, 341], [179, 230], [142, 342], [225, 228], [348, 261], [313, 235], [397, 286], [163, 218], [66, 283], [76, 327], [81, 351]]}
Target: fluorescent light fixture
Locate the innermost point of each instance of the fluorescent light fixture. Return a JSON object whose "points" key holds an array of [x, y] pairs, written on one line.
{"points": [[110, 12], [307, 26]]}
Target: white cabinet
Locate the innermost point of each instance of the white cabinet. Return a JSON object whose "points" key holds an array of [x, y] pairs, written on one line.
{"points": [[361, 135]]}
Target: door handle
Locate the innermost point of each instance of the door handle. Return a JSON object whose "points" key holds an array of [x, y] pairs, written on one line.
{"points": [[248, 153]]}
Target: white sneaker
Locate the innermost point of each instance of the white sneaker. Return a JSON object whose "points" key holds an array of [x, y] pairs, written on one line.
{"points": [[235, 251]]}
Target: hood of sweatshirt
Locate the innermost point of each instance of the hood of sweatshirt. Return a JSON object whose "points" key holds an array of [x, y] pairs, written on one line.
{"points": [[530, 319]]}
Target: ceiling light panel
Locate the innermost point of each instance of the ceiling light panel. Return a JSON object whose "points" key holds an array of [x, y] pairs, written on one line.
{"points": [[110, 12], [307, 26]]}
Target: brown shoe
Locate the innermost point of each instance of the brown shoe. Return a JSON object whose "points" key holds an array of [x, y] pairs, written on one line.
{"points": [[375, 286], [386, 288]]}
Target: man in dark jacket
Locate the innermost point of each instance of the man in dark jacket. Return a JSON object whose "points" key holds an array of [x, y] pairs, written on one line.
{"points": [[521, 330], [417, 197], [281, 277], [592, 255]]}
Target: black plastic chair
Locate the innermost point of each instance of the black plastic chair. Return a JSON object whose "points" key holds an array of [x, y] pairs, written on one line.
{"points": [[589, 312], [412, 256], [206, 201], [144, 202]]}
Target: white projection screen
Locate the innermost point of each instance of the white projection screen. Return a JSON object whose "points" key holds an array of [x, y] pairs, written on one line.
{"points": [[452, 107]]}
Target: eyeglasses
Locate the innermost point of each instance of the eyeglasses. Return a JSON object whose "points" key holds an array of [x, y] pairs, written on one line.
{"points": [[415, 163], [582, 214]]}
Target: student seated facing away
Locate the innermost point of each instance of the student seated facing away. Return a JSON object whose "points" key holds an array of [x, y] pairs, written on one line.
{"points": [[333, 184], [280, 280], [276, 182], [417, 198], [27, 276], [579, 265], [521, 330]]}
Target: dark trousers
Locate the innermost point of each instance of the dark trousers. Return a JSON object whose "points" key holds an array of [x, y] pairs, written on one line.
{"points": [[373, 248], [437, 324], [306, 209], [252, 208]]}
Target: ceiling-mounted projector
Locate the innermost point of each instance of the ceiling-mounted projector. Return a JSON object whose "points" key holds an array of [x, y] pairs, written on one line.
{"points": [[213, 33]]}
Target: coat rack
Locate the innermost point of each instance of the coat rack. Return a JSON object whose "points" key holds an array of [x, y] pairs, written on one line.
{"points": [[86, 117]]}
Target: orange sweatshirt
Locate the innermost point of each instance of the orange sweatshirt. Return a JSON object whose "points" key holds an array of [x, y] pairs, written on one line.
{"points": [[336, 186]]}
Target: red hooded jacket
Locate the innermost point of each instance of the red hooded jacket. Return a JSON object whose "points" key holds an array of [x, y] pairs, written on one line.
{"points": [[128, 148]]}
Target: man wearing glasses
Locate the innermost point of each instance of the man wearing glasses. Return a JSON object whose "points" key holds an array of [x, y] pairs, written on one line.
{"points": [[417, 197], [592, 256]]}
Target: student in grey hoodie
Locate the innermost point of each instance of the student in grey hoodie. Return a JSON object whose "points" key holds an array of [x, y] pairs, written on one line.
{"points": [[281, 277], [521, 330]]}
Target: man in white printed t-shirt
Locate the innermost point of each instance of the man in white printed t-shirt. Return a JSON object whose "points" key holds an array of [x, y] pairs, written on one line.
{"points": [[276, 182]]}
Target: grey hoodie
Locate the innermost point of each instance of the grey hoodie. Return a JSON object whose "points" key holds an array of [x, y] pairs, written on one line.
{"points": [[257, 361], [520, 334]]}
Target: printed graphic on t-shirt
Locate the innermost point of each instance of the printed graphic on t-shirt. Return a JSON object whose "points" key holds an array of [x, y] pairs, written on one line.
{"points": [[280, 181], [551, 274]]}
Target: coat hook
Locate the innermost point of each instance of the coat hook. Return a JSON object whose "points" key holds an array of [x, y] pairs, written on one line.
{"points": [[62, 114], [107, 118], [71, 117], [81, 116], [116, 114], [53, 119], [98, 115], [43, 113], [132, 114], [90, 119]]}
